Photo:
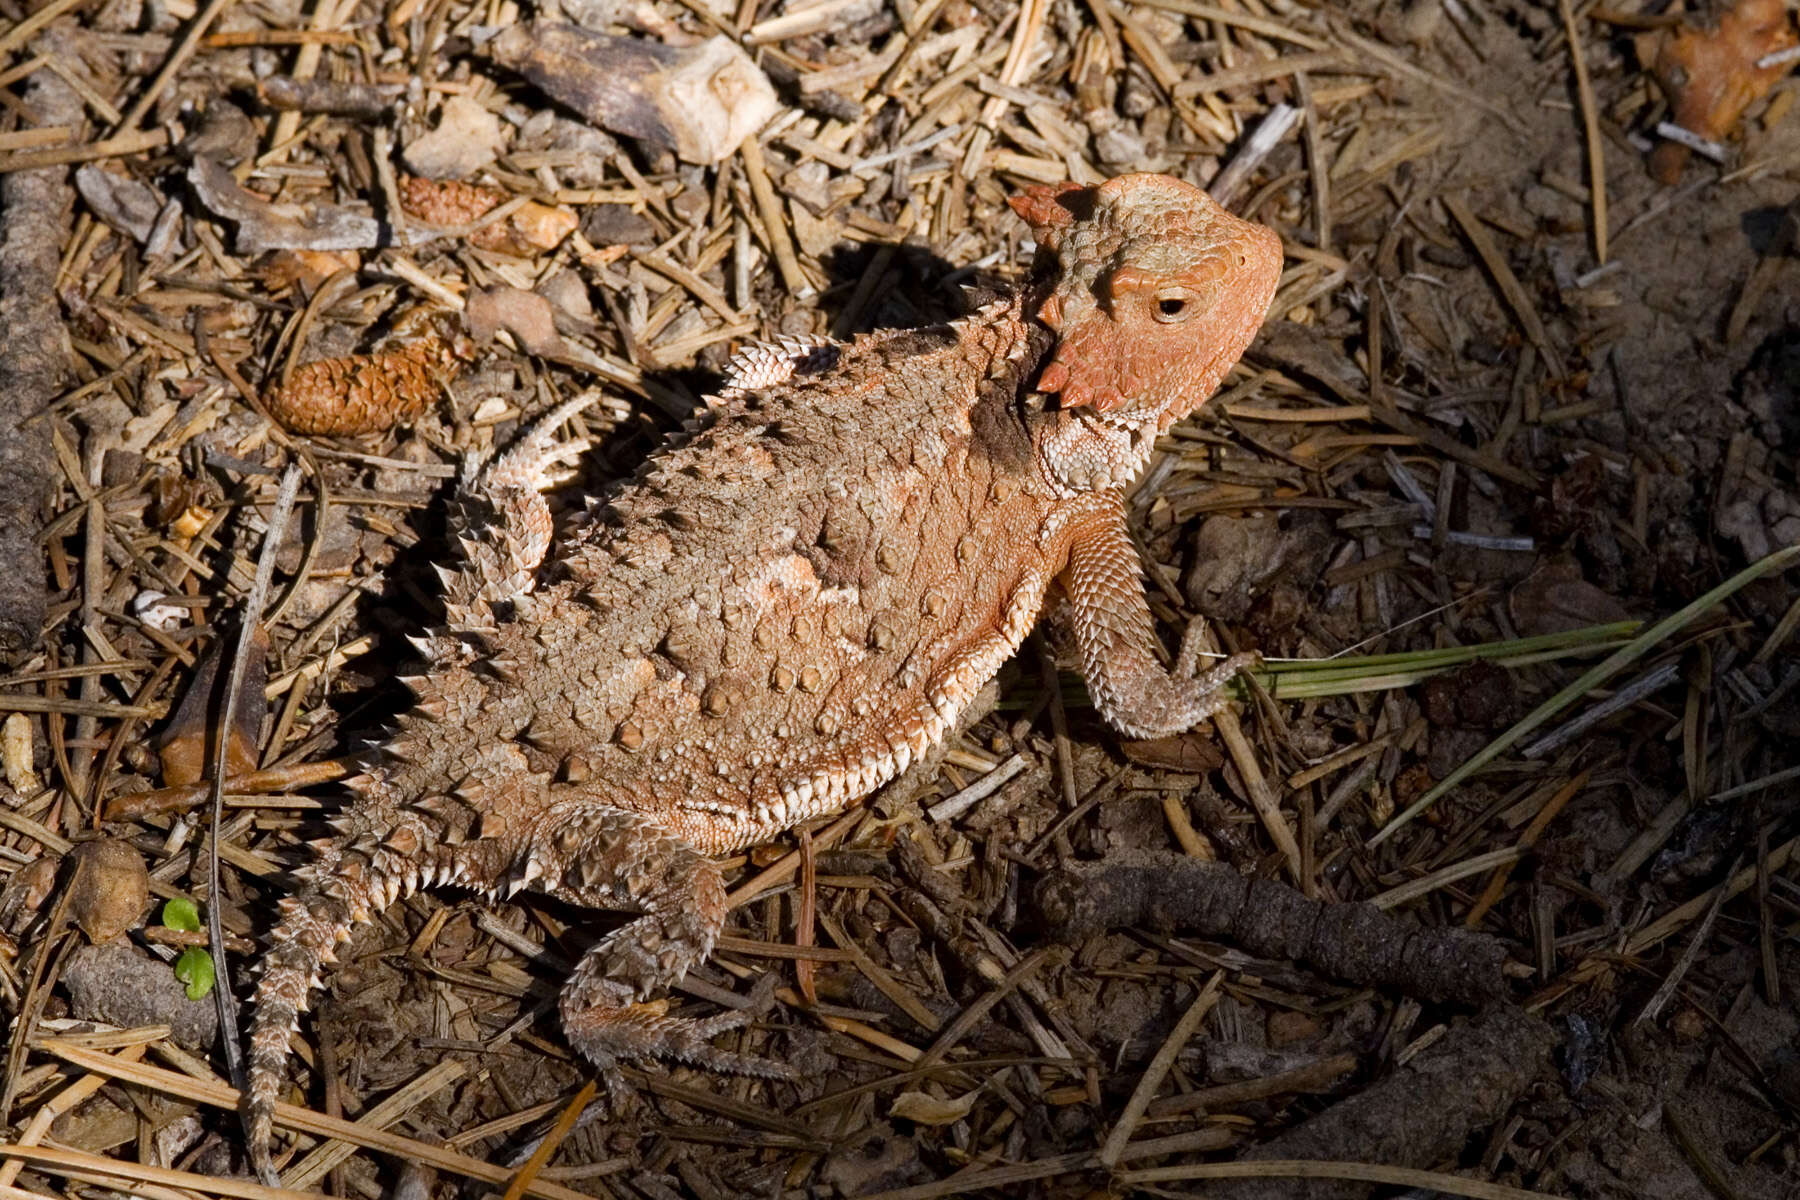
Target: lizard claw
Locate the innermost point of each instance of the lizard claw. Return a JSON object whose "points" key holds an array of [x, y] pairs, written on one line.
{"points": [[702, 1053], [523, 465], [762, 994]]}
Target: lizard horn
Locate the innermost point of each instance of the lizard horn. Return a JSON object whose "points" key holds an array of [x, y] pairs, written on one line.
{"points": [[1051, 210]]}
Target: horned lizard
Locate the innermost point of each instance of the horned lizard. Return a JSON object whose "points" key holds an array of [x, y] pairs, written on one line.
{"points": [[784, 608]]}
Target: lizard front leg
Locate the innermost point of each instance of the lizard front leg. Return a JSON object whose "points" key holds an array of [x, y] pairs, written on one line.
{"points": [[1110, 619]]}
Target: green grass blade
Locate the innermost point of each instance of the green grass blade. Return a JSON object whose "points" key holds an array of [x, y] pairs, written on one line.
{"points": [[1617, 661], [1572, 639]]}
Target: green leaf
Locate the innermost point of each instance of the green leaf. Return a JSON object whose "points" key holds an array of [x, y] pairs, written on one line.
{"points": [[180, 913], [195, 968]]}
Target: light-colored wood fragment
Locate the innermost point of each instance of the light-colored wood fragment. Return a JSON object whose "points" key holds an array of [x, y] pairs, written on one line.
{"points": [[756, 170], [699, 101], [1590, 124], [321, 1159], [113, 147]]}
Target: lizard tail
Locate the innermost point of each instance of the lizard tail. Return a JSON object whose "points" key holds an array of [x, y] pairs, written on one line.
{"points": [[347, 886], [312, 924]]}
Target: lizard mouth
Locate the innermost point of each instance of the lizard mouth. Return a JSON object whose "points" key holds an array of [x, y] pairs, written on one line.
{"points": [[1057, 379]]}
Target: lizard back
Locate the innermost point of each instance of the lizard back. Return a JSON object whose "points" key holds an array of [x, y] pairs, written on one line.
{"points": [[780, 610]]}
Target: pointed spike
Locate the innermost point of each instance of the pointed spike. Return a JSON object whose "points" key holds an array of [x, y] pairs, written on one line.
{"points": [[403, 841], [466, 618]]}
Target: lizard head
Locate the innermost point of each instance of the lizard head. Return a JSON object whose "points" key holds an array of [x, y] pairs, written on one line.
{"points": [[1157, 291]]}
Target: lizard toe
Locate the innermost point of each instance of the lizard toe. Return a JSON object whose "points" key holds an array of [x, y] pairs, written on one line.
{"points": [[609, 1035]]}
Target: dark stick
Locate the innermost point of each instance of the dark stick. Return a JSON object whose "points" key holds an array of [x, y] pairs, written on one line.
{"points": [[33, 362], [1356, 943]]}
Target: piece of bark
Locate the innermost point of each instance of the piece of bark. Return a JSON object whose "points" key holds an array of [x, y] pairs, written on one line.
{"points": [[186, 746], [264, 226], [1192, 752], [35, 208], [26, 892], [699, 101], [18, 755], [526, 315], [126, 204], [1419, 1116], [223, 133], [333, 97], [1356, 943], [306, 270], [467, 139]]}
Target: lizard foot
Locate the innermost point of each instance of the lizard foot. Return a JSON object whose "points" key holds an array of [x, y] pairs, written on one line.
{"points": [[525, 464], [503, 523], [603, 856], [609, 1033], [1193, 645]]}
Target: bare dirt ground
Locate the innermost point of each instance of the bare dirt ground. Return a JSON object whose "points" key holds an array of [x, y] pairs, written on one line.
{"points": [[1493, 402]]}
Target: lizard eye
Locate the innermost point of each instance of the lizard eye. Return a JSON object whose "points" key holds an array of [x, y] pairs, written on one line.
{"points": [[1174, 305]]}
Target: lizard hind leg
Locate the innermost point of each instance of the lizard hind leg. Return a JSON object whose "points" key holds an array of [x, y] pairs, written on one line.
{"points": [[502, 520], [607, 857]]}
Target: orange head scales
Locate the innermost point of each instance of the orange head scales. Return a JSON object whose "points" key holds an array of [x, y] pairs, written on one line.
{"points": [[1158, 292]]}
